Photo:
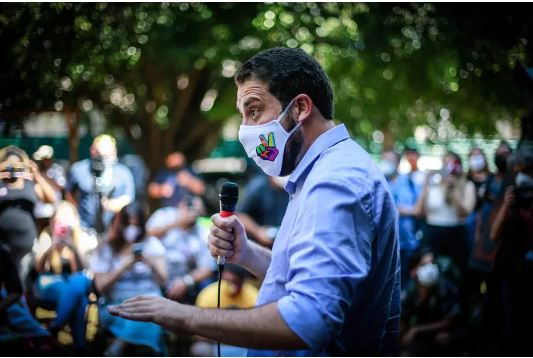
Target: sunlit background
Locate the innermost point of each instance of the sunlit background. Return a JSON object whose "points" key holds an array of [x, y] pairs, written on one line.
{"points": [[159, 75]]}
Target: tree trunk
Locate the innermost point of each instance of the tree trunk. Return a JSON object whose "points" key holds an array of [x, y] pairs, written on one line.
{"points": [[72, 119], [388, 139]]}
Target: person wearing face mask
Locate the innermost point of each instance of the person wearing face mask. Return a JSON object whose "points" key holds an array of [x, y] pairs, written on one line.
{"points": [[389, 165], [417, 176], [502, 155], [483, 253], [478, 173], [446, 201], [513, 267], [331, 283], [186, 254], [61, 283], [430, 309], [125, 265], [173, 183], [405, 193], [99, 184]]}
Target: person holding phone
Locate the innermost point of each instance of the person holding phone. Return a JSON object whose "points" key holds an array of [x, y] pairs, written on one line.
{"points": [[446, 201], [21, 187], [127, 264], [62, 282]]}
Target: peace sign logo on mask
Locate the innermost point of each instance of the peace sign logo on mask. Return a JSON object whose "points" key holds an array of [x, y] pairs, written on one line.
{"points": [[267, 150]]}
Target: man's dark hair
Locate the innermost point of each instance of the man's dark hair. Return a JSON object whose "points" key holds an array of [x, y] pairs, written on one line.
{"points": [[288, 73]]}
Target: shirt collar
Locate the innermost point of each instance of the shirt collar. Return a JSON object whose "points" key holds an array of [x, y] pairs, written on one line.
{"points": [[323, 142]]}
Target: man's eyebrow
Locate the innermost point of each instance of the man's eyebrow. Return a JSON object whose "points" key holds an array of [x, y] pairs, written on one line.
{"points": [[247, 102]]}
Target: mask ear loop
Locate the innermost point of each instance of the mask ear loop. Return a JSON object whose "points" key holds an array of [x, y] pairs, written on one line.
{"points": [[284, 113]]}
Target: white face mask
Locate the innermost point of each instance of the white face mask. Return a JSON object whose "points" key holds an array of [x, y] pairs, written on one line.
{"points": [[427, 274], [131, 233], [265, 143], [477, 162], [387, 167], [524, 180]]}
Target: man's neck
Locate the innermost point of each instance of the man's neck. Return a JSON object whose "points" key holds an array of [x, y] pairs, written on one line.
{"points": [[313, 129]]}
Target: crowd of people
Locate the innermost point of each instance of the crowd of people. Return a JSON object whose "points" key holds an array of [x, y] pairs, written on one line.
{"points": [[466, 250], [76, 237], [68, 235]]}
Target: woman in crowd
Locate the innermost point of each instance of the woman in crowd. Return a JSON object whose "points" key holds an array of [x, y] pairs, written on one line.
{"points": [[126, 265], [21, 186], [488, 193], [61, 282], [478, 172], [446, 201]]}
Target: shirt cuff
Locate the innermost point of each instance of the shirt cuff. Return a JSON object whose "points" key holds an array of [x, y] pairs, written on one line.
{"points": [[304, 320]]}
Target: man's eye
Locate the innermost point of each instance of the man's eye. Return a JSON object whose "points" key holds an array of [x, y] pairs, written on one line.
{"points": [[253, 113]]}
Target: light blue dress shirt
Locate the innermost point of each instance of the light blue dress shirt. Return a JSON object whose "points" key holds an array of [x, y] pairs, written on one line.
{"points": [[335, 261]]}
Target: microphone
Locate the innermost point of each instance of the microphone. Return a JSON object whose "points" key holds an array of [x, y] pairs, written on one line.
{"points": [[229, 194]]}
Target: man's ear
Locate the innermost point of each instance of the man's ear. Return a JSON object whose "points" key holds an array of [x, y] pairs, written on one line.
{"points": [[303, 107]]}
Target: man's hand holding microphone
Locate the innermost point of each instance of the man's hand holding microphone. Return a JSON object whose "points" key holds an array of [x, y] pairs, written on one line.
{"points": [[227, 238]]}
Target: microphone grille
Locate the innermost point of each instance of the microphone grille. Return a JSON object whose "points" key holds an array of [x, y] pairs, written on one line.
{"points": [[229, 191]]}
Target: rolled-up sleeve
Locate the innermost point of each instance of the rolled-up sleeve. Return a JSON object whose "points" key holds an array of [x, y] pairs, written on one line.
{"points": [[329, 255]]}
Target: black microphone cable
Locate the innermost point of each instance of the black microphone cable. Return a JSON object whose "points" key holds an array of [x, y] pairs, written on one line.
{"points": [[220, 270], [229, 194]]}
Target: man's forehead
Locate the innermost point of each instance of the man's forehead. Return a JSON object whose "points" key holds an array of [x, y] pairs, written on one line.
{"points": [[251, 90]]}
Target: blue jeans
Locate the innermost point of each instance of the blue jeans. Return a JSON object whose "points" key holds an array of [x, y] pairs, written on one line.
{"points": [[20, 321], [69, 296]]}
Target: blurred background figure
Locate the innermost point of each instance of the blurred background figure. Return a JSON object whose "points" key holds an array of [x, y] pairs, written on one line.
{"points": [[502, 155], [188, 260], [431, 310], [127, 264], [173, 183], [10, 285], [21, 186], [480, 175], [55, 175], [389, 165], [16, 319], [446, 201], [406, 193], [480, 284], [61, 283], [262, 207], [99, 186], [235, 292], [418, 176], [513, 267]]}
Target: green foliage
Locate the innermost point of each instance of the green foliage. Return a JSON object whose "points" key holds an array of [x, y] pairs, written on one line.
{"points": [[163, 71]]}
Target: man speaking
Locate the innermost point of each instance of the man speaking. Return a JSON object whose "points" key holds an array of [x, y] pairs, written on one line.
{"points": [[331, 283]]}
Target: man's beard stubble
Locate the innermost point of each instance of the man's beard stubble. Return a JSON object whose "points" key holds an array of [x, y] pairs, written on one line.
{"points": [[293, 153]]}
